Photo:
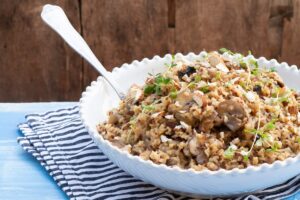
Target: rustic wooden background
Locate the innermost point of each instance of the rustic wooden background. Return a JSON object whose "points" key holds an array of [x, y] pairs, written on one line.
{"points": [[36, 65]]}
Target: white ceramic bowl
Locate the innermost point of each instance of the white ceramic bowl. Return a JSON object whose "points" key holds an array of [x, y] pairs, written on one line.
{"points": [[99, 98]]}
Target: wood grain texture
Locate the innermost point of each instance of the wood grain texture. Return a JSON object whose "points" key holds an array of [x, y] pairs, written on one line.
{"points": [[238, 25], [210, 25], [121, 31], [291, 36], [35, 63]]}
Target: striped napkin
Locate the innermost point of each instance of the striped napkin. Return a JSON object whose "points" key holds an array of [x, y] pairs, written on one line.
{"points": [[59, 141]]}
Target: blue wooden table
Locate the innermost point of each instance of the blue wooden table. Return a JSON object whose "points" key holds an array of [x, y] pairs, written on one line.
{"points": [[21, 176]]}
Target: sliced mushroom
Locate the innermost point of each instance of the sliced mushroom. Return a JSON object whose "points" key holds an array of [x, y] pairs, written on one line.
{"points": [[214, 59], [207, 123], [184, 98], [201, 158], [185, 117], [194, 146], [113, 116], [196, 150], [117, 143], [135, 93], [233, 114], [198, 97]]}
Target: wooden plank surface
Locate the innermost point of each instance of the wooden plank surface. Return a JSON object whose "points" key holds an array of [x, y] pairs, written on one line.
{"points": [[291, 36], [210, 25], [121, 31], [35, 63], [238, 25]]}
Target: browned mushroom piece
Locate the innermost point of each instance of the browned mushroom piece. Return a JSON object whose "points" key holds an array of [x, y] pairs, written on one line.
{"points": [[209, 121], [113, 116], [233, 114], [196, 150], [293, 110]]}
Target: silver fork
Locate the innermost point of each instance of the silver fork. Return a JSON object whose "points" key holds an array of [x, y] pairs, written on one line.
{"points": [[55, 17]]}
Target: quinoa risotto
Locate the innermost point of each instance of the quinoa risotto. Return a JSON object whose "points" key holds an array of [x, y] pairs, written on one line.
{"points": [[221, 111]]}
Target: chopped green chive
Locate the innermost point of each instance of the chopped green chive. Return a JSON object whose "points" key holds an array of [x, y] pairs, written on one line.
{"points": [[224, 50], [253, 62], [283, 99], [204, 89], [149, 89], [162, 80], [197, 78], [245, 158], [192, 85], [274, 148], [270, 125], [218, 75], [147, 107], [229, 152], [273, 69], [173, 94], [243, 65], [260, 133]]}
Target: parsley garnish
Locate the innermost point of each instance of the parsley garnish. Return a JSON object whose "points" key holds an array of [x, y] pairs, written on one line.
{"points": [[149, 89], [162, 80], [156, 87]]}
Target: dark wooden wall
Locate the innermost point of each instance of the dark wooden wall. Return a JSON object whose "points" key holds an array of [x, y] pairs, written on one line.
{"points": [[36, 65]]}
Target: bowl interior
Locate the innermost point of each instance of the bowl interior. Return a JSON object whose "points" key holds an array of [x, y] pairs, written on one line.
{"points": [[102, 98], [99, 98]]}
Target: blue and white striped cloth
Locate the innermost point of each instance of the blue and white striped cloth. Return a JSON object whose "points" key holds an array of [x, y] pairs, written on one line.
{"points": [[59, 141]]}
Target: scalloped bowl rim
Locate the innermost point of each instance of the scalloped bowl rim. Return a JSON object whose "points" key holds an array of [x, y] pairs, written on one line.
{"points": [[176, 169]]}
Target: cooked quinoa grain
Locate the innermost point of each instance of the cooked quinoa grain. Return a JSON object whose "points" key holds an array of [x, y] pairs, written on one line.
{"points": [[217, 112]]}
